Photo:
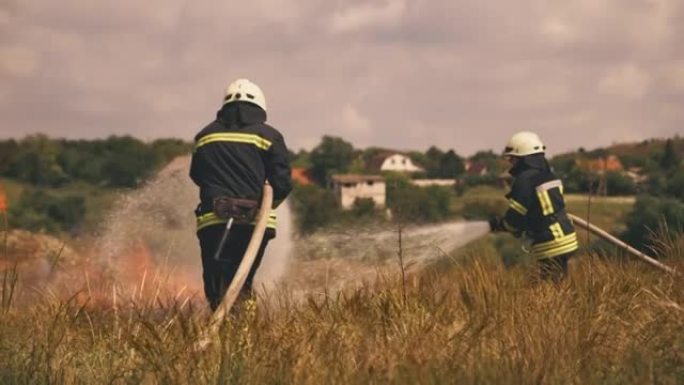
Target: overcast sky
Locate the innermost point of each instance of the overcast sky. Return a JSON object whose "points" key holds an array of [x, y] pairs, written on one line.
{"points": [[406, 74]]}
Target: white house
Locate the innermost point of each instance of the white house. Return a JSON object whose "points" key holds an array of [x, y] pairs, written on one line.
{"points": [[349, 187], [399, 162]]}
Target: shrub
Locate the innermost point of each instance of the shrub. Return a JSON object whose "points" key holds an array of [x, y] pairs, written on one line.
{"points": [[619, 184], [482, 207], [38, 210], [314, 207], [416, 204], [363, 207], [647, 216]]}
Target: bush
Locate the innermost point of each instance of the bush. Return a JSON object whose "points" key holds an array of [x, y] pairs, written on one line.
{"points": [[480, 180], [38, 210], [314, 207], [482, 207], [675, 185], [363, 207], [416, 204], [647, 216], [619, 184]]}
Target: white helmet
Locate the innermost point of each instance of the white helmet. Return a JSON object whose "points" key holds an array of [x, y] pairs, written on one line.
{"points": [[524, 143], [242, 90]]}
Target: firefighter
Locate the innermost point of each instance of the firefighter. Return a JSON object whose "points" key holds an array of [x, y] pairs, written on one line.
{"points": [[536, 207], [234, 156]]}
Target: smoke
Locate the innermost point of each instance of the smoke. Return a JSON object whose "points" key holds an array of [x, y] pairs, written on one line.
{"points": [[278, 253]]}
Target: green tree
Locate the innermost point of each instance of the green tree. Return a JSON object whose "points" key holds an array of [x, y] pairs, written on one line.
{"points": [[563, 164], [333, 155], [451, 165], [417, 204], [490, 159], [36, 162], [670, 158], [38, 210], [619, 184], [9, 149], [128, 161], [433, 157], [675, 185]]}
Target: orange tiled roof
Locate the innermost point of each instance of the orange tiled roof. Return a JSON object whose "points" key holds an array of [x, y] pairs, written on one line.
{"points": [[610, 163], [301, 176]]}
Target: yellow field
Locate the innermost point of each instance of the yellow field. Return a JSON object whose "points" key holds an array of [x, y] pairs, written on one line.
{"points": [[475, 323]]}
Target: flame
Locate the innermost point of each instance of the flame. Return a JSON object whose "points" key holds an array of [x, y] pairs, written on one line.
{"points": [[3, 200]]}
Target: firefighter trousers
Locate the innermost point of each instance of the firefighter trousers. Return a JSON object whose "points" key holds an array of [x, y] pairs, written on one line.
{"points": [[218, 275], [554, 269]]}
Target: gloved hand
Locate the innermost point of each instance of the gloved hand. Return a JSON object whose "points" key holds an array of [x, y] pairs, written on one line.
{"points": [[495, 224]]}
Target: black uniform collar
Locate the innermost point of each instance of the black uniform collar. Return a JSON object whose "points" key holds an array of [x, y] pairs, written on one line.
{"points": [[241, 114], [534, 161]]}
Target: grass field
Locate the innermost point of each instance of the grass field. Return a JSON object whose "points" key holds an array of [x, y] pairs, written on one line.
{"points": [[475, 323]]}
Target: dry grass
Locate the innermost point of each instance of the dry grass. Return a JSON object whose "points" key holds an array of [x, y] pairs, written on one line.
{"points": [[476, 323]]}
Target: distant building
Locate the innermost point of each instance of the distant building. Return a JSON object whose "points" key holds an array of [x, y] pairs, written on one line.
{"points": [[636, 174], [476, 168], [601, 165], [397, 162], [349, 187]]}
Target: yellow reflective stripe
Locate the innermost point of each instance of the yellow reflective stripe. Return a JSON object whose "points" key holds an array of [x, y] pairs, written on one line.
{"points": [[254, 139], [271, 220], [561, 242], [211, 218], [208, 219], [554, 246], [557, 231], [545, 202], [509, 227], [556, 252], [516, 206]]}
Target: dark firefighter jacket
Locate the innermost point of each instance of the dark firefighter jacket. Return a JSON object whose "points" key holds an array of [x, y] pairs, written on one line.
{"points": [[537, 208], [234, 156]]}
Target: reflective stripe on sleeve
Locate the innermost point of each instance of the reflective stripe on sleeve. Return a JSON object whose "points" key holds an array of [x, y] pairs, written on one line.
{"points": [[545, 202], [517, 206], [509, 227], [543, 195]]}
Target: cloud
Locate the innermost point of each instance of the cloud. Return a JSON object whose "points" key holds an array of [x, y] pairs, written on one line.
{"points": [[17, 61], [462, 74], [354, 123], [626, 81], [384, 13]]}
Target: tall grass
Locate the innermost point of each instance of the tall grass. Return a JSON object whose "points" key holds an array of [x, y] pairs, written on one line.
{"points": [[476, 323]]}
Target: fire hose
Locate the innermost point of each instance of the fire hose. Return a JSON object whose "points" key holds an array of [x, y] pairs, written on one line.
{"points": [[608, 237], [243, 270]]}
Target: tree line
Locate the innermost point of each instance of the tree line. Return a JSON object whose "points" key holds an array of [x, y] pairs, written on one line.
{"points": [[117, 161]]}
